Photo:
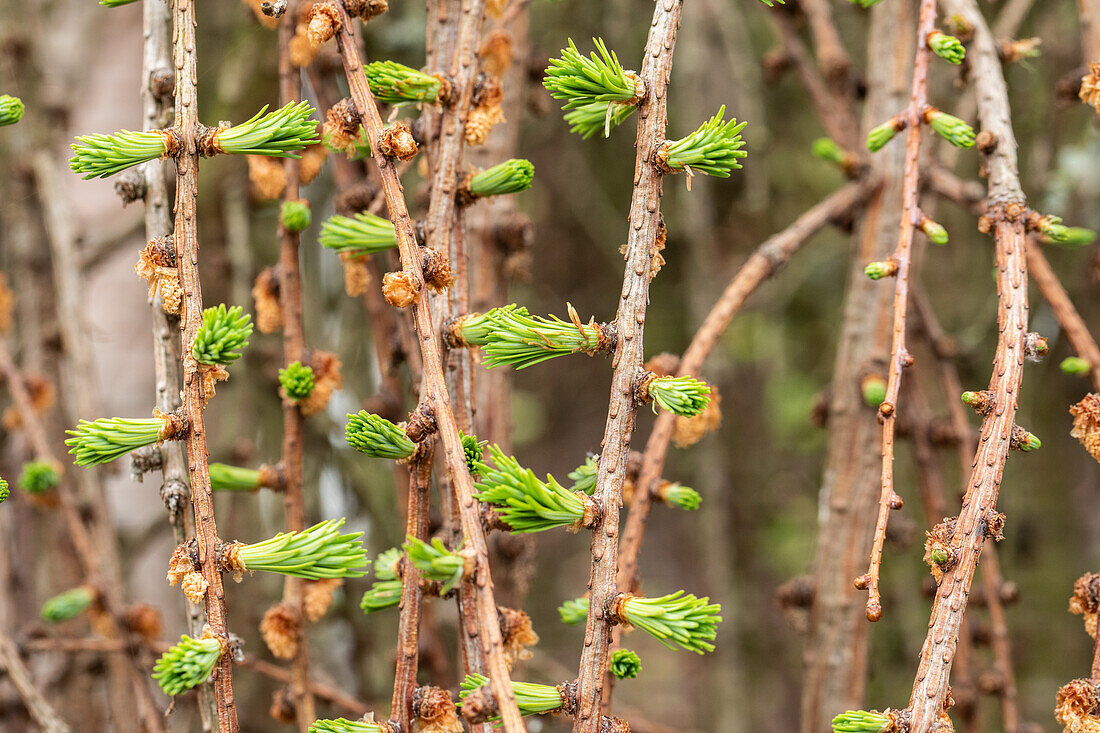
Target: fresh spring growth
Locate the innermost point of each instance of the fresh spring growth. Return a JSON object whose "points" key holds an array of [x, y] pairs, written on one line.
{"points": [[935, 232], [713, 149], [436, 562], [522, 501], [597, 91], [950, 128], [187, 664], [827, 149], [377, 437], [11, 109], [318, 552], [295, 215], [884, 133], [108, 438], [574, 612], [1073, 236], [880, 269], [67, 605], [5, 492], [531, 699], [511, 176], [99, 156], [38, 477], [861, 721], [385, 565], [395, 83], [948, 48], [873, 387], [297, 380], [681, 497], [624, 664], [274, 134], [515, 338], [381, 595], [683, 396], [475, 451], [1076, 366], [588, 119], [115, 3], [864, 3], [220, 336], [675, 620], [224, 477], [343, 725], [584, 476], [362, 234], [1030, 442]]}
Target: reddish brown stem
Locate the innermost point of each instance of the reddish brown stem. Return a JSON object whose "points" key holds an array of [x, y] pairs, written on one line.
{"points": [[187, 259], [434, 388], [630, 321], [899, 355]]}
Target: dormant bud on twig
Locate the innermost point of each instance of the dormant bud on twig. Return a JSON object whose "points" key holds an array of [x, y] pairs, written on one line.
{"points": [[395, 83], [436, 562], [950, 128], [378, 437], [362, 234], [188, 663], [11, 109], [532, 699], [526, 504], [714, 148], [676, 620], [318, 552], [68, 605], [948, 48], [596, 85], [108, 438], [624, 664], [297, 380]]}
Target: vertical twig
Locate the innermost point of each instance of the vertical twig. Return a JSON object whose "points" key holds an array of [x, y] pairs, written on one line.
{"points": [[644, 224], [187, 259], [41, 711]]}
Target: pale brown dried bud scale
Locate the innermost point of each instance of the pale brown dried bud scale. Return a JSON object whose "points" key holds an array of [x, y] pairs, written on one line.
{"points": [[397, 141], [324, 22], [281, 631], [400, 289]]}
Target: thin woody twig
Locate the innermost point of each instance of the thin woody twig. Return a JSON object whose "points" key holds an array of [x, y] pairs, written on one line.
{"points": [[434, 387], [645, 222], [1007, 213], [899, 354], [187, 260], [40, 710]]}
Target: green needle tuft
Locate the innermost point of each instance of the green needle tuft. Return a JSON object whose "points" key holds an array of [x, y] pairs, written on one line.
{"points": [[827, 149], [275, 134], [950, 128], [584, 476], [884, 133], [38, 477], [362, 234], [318, 552], [475, 452], [574, 612], [67, 605], [713, 149], [597, 91], [861, 721], [381, 595], [531, 699], [395, 83], [220, 336], [511, 336], [297, 380], [624, 664], [108, 438], [436, 562], [5, 492], [224, 477], [377, 437], [11, 109], [343, 725], [187, 664], [683, 396], [1076, 366], [523, 502], [99, 156], [681, 497], [948, 48], [295, 215], [511, 176], [675, 620], [588, 119]]}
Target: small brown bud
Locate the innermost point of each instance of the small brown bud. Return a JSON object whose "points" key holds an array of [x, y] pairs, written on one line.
{"points": [[282, 706], [986, 141], [317, 597], [438, 275], [194, 587], [397, 141], [400, 289], [324, 22], [862, 582], [280, 630]]}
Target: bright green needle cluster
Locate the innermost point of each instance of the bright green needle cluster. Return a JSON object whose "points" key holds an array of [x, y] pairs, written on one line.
{"points": [[1074, 236], [522, 501], [511, 176], [1030, 442], [531, 699], [295, 215], [187, 664], [574, 612], [950, 128], [108, 438], [713, 149], [624, 664], [38, 477], [861, 721], [377, 437], [275, 134], [220, 336], [297, 380], [1076, 366], [5, 492], [683, 396], [935, 232], [593, 88], [827, 149], [436, 562], [675, 620], [884, 133], [395, 83], [67, 605], [948, 48], [511, 336], [343, 725], [584, 476], [318, 552], [681, 497], [386, 590], [362, 234], [224, 477], [99, 156], [880, 269], [11, 109], [474, 450], [115, 3]]}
